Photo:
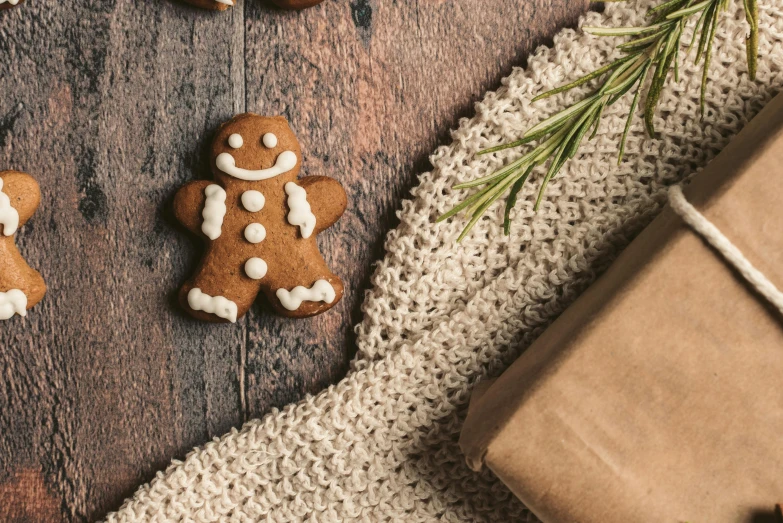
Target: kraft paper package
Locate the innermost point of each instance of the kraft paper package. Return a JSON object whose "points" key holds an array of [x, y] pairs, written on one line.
{"points": [[658, 395]]}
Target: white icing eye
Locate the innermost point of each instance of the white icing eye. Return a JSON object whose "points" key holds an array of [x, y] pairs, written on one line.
{"points": [[255, 233], [255, 268], [270, 140], [236, 141]]}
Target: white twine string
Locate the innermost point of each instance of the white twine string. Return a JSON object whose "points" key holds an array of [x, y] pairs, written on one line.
{"points": [[699, 223]]}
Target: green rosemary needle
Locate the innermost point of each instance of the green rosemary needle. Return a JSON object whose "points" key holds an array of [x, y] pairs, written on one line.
{"points": [[652, 50]]}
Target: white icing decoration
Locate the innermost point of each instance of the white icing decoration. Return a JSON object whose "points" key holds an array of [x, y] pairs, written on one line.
{"points": [[227, 2], [235, 140], [9, 218], [255, 268], [217, 305], [12, 302], [214, 211], [321, 290], [255, 233], [284, 163], [299, 214], [270, 140], [253, 201], [14, 2]]}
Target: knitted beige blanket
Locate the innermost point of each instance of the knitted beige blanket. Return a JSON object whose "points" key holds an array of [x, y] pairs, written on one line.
{"points": [[381, 445]]}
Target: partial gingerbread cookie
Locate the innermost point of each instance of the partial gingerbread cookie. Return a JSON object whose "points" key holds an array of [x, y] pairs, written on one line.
{"points": [[216, 5], [260, 224], [21, 287], [8, 4], [296, 4]]}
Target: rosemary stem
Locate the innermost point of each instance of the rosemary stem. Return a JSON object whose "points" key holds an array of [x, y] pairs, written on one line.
{"points": [[653, 49]]}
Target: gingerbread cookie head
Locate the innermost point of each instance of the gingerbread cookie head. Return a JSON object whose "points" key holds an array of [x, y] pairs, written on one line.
{"points": [[215, 5], [260, 223], [254, 148], [8, 4], [21, 287]]}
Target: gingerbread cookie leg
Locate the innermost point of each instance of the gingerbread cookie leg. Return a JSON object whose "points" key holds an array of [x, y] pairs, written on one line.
{"points": [[216, 294], [296, 4], [8, 4], [21, 287], [307, 289], [304, 301]]}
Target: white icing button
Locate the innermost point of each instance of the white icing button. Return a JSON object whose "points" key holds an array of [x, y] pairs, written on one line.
{"points": [[236, 141], [270, 140], [255, 233], [253, 201], [255, 268]]}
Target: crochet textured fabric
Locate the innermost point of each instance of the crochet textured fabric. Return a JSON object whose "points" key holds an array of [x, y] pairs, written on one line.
{"points": [[382, 444]]}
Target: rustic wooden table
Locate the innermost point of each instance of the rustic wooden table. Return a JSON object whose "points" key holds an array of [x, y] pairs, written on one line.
{"points": [[110, 105]]}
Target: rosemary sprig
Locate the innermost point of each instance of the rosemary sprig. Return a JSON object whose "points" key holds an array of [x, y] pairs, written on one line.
{"points": [[652, 50]]}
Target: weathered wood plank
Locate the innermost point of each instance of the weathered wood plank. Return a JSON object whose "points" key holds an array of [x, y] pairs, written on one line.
{"points": [[111, 106], [371, 88]]}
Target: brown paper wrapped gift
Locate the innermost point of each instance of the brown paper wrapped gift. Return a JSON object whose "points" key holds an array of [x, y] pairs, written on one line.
{"points": [[658, 395]]}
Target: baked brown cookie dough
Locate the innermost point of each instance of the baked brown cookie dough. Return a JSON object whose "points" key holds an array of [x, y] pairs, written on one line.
{"points": [[296, 4], [260, 225], [21, 287], [222, 5], [8, 4], [215, 5]]}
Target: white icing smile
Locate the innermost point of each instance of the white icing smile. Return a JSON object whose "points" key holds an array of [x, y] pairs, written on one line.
{"points": [[9, 218], [217, 305], [300, 213], [214, 211], [321, 290], [227, 2], [12, 302], [284, 163], [14, 2]]}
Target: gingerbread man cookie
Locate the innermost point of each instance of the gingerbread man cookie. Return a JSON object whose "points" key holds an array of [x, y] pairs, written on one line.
{"points": [[21, 287], [260, 224], [8, 4], [216, 5]]}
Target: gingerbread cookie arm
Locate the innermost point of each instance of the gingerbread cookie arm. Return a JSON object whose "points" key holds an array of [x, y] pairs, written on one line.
{"points": [[189, 203], [327, 200], [23, 192]]}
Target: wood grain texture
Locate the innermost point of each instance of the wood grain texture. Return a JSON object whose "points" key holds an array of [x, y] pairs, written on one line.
{"points": [[111, 106]]}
